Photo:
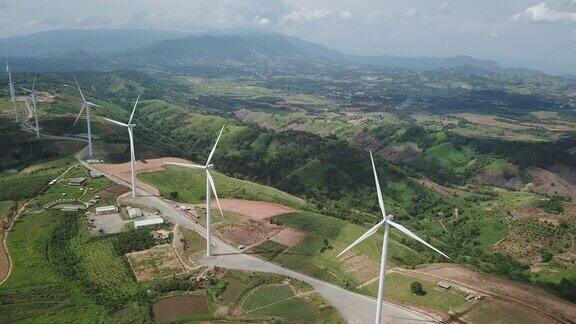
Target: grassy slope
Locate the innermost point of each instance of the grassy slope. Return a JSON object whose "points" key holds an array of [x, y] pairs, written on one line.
{"points": [[285, 307], [191, 185], [398, 288]]}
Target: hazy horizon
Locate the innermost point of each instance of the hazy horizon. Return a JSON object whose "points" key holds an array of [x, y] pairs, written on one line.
{"points": [[519, 33]]}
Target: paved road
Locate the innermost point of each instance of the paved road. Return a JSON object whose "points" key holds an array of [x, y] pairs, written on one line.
{"points": [[355, 308]]}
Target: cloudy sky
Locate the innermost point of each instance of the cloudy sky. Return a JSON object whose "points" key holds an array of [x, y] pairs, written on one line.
{"points": [[530, 33]]}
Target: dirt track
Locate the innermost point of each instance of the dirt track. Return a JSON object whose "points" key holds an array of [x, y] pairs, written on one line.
{"points": [[122, 171], [538, 301]]}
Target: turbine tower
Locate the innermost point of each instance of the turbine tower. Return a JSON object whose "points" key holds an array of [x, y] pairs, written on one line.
{"points": [[130, 127], [85, 105], [34, 108], [12, 92], [387, 220], [210, 186]]}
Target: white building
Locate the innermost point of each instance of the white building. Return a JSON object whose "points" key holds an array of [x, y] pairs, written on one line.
{"points": [[135, 212], [106, 210], [148, 222]]}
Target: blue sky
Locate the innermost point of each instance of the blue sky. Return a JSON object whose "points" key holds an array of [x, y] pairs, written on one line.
{"points": [[538, 34]]}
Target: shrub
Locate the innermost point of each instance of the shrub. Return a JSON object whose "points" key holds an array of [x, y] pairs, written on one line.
{"points": [[416, 288]]}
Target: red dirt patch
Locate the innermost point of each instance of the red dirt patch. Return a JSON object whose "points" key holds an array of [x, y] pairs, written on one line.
{"points": [[289, 236], [250, 232], [255, 209], [296, 127], [122, 171], [400, 152], [114, 190]]}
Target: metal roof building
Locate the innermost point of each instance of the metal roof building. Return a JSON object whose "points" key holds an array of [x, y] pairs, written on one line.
{"points": [[148, 222]]}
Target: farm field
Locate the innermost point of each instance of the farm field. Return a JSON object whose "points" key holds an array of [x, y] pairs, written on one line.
{"points": [[157, 262], [276, 301]]}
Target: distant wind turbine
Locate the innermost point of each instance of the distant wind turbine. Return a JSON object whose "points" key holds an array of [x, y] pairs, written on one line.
{"points": [[12, 92], [86, 105], [34, 107], [387, 220], [210, 186], [130, 127]]}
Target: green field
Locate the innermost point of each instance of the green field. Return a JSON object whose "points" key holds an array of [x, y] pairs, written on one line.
{"points": [[191, 187], [398, 289], [277, 301], [269, 249]]}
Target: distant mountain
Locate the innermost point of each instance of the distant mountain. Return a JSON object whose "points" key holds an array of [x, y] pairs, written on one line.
{"points": [[93, 40], [137, 46]]}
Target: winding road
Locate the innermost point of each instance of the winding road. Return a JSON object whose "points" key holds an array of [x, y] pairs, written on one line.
{"points": [[353, 307]]}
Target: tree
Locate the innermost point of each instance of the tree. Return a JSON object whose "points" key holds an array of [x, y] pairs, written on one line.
{"points": [[174, 195], [546, 256], [416, 288]]}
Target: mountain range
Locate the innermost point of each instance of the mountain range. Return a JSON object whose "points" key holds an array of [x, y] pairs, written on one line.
{"points": [[145, 46]]}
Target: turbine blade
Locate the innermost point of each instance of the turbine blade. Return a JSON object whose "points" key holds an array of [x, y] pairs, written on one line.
{"points": [[414, 236], [133, 110], [380, 199], [25, 89], [93, 104], [115, 122], [80, 113], [366, 235], [214, 148], [187, 165], [213, 186], [78, 85]]}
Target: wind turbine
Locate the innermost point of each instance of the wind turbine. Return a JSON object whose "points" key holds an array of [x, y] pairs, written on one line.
{"points": [[130, 127], [210, 186], [34, 110], [12, 92], [387, 220], [86, 105]]}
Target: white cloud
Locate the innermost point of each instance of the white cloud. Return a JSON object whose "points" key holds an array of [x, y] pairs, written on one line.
{"points": [[493, 34], [262, 21], [347, 14], [304, 14], [443, 6], [542, 13]]}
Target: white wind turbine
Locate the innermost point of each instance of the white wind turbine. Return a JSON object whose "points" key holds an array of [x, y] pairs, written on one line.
{"points": [[387, 220], [130, 127], [34, 108], [86, 105], [12, 92], [210, 186]]}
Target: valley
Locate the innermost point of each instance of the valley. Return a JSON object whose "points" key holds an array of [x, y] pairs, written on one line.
{"points": [[481, 165]]}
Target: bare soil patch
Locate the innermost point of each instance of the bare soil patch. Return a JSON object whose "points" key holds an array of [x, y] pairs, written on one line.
{"points": [[4, 260], [168, 309], [249, 232], [123, 171], [481, 119], [297, 127], [157, 262], [254, 209], [289, 236], [553, 183], [446, 191], [361, 266], [533, 300], [400, 152], [114, 190]]}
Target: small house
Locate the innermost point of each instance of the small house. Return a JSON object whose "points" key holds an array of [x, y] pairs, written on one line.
{"points": [[135, 213], [77, 182], [444, 284], [106, 210], [148, 222], [95, 174]]}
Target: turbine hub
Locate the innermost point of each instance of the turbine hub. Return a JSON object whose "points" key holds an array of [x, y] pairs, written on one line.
{"points": [[390, 217], [210, 166]]}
